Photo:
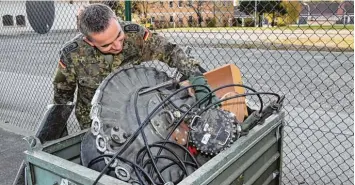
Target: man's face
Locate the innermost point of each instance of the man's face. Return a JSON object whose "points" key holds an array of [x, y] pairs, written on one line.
{"points": [[109, 41]]}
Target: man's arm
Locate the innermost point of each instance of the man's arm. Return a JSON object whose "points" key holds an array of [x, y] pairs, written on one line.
{"points": [[64, 82], [156, 47]]}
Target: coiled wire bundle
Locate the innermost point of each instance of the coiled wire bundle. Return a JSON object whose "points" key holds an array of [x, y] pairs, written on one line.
{"points": [[147, 159]]}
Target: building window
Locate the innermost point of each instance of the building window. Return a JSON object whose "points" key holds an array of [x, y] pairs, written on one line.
{"points": [[189, 3], [161, 3], [180, 4], [20, 20], [7, 20], [162, 18], [180, 20], [171, 4], [171, 19], [190, 18]]}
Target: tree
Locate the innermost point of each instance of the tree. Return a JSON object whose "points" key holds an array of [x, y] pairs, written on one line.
{"points": [[116, 6], [271, 7], [142, 8], [197, 7], [293, 9]]}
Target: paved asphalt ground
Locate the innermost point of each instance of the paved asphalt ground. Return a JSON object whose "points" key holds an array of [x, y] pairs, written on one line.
{"points": [[318, 87], [11, 155]]}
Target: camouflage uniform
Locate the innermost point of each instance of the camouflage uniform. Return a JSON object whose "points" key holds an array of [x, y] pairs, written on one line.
{"points": [[85, 67]]}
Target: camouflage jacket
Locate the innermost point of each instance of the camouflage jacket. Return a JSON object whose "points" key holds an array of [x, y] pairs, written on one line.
{"points": [[85, 67]]}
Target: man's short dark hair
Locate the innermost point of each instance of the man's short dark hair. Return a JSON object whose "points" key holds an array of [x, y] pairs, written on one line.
{"points": [[95, 18]]}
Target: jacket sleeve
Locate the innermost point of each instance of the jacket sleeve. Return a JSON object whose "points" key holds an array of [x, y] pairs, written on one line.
{"points": [[156, 47], [64, 82]]}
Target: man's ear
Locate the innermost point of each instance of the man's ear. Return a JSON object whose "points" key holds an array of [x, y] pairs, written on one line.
{"points": [[88, 41]]}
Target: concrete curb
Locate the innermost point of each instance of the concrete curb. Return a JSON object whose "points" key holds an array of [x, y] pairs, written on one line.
{"points": [[15, 130]]}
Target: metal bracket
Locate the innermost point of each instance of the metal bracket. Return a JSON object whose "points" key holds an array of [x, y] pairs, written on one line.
{"points": [[33, 142], [278, 132], [193, 121]]}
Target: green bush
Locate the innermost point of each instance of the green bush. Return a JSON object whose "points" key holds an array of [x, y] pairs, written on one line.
{"points": [[249, 23], [211, 22]]}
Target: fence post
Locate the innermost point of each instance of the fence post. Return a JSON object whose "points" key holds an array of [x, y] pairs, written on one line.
{"points": [[128, 10]]}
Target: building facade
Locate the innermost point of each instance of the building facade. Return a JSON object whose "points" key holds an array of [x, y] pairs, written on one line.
{"points": [[183, 13], [15, 19], [327, 12]]}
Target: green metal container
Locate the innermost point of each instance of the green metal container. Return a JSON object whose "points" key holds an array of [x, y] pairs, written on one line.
{"points": [[254, 159]]}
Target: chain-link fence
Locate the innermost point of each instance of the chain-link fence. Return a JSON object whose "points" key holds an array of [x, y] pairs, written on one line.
{"points": [[302, 49]]}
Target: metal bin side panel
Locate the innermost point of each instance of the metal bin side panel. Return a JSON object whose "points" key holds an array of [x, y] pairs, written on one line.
{"points": [[46, 169], [253, 159]]}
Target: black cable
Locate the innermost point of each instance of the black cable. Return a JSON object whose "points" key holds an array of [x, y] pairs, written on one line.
{"points": [[186, 162], [180, 120], [172, 143], [168, 142], [179, 108], [144, 136], [148, 148], [185, 114], [172, 152], [171, 102], [174, 162], [145, 140], [239, 85], [124, 147], [201, 100], [186, 151], [143, 164], [96, 159], [237, 96], [176, 107], [145, 122], [147, 162]]}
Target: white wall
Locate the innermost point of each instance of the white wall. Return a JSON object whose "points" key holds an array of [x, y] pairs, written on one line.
{"points": [[65, 15]]}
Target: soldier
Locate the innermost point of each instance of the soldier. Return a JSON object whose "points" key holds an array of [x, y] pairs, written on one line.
{"points": [[106, 43]]}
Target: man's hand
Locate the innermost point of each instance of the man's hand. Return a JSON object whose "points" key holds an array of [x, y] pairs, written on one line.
{"points": [[190, 90]]}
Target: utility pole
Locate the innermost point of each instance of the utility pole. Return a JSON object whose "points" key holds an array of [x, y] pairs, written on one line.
{"points": [[128, 10], [255, 9]]}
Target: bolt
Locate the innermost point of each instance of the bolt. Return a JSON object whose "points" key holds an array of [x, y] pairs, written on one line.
{"points": [[177, 114], [116, 128]]}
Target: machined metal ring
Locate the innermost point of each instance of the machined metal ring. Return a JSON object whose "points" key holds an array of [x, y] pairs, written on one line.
{"points": [[107, 159], [122, 173], [101, 143], [96, 127]]}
